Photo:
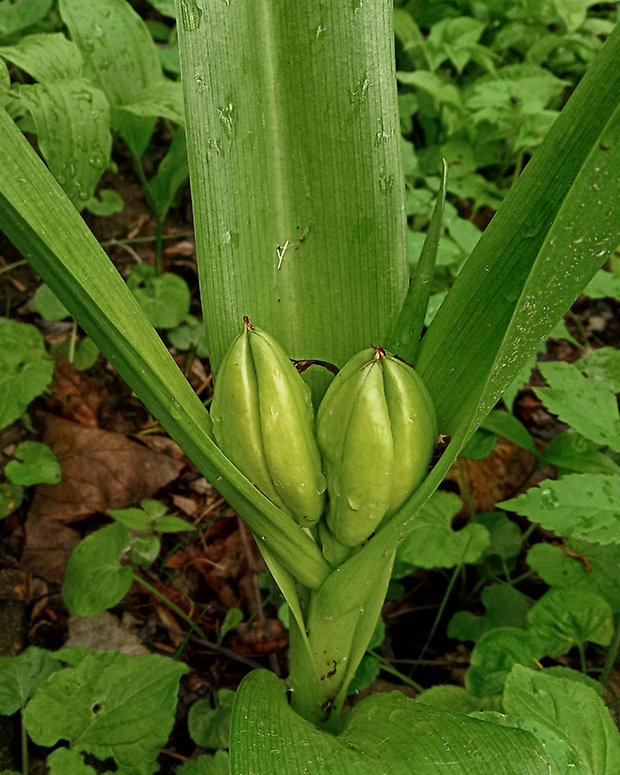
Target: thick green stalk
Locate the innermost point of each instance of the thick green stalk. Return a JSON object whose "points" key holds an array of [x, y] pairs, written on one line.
{"points": [[294, 148]]}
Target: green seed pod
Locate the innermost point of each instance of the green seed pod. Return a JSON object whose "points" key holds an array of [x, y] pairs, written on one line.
{"points": [[264, 422], [376, 430]]}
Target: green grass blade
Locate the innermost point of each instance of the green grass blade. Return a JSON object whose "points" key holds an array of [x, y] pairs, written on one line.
{"points": [[294, 149], [405, 339], [41, 222]]}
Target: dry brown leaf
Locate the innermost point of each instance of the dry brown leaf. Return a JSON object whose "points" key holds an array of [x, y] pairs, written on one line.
{"points": [[76, 395], [494, 478], [100, 470], [103, 633]]}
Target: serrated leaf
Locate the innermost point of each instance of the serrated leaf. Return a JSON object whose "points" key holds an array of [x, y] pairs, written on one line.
{"points": [[430, 541], [39, 465], [561, 705], [603, 367], [441, 90], [604, 285], [495, 655], [21, 676], [570, 450], [579, 505], [109, 705], [568, 617], [95, 580], [578, 401], [504, 606]]}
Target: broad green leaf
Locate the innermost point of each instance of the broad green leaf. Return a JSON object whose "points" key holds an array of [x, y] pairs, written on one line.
{"points": [[109, 705], [33, 463], [580, 402], [171, 525], [164, 99], [165, 298], [569, 569], [569, 450], [602, 367], [46, 57], [293, 132], [504, 606], [171, 174], [48, 305], [604, 285], [109, 202], [234, 616], [494, 656], [39, 218], [219, 764], [507, 425], [562, 705], [534, 258], [453, 39], [85, 354], [63, 761], [505, 536], [578, 505], [165, 7], [190, 334], [145, 549], [568, 617], [430, 541], [95, 580], [441, 90], [386, 733], [72, 123], [15, 17], [21, 676], [573, 12], [208, 726], [481, 444], [25, 370], [120, 58], [452, 698], [367, 671]]}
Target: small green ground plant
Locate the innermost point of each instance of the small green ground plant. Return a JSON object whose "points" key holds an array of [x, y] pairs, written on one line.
{"points": [[302, 230]]}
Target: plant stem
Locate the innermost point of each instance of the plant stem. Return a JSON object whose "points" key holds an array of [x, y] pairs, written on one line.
{"points": [[611, 655], [582, 658], [14, 265], [25, 763], [444, 602], [131, 241], [72, 342], [173, 606], [470, 504], [388, 668]]}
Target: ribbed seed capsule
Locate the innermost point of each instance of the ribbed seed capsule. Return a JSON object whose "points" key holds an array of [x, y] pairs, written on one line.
{"points": [[264, 422], [376, 430]]}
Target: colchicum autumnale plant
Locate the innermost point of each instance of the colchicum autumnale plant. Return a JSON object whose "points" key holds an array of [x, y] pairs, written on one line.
{"points": [[294, 156]]}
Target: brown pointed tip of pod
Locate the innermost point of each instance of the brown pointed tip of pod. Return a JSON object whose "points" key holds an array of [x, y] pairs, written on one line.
{"points": [[379, 353], [248, 325]]}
